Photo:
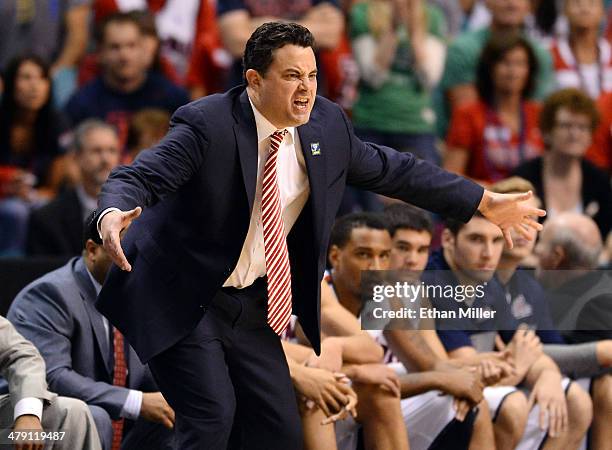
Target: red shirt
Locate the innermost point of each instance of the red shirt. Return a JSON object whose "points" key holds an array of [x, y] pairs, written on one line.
{"points": [[600, 152], [494, 151]]}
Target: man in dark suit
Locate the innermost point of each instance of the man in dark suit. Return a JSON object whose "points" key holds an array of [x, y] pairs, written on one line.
{"points": [[85, 356], [240, 197], [57, 228]]}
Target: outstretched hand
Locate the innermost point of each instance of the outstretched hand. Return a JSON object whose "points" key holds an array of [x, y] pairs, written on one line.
{"points": [[511, 211], [111, 226]]}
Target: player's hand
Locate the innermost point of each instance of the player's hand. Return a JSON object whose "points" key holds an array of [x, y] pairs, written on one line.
{"points": [[111, 226], [526, 348], [327, 390], [465, 384], [548, 394], [154, 408], [349, 408], [379, 374], [511, 211], [28, 423], [462, 407]]}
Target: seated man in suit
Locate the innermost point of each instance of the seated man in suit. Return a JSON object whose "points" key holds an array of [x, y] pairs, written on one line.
{"points": [[56, 228], [87, 358], [30, 407]]}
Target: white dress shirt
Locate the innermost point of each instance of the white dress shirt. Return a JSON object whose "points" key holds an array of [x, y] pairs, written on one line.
{"points": [[293, 188], [133, 402], [28, 405]]}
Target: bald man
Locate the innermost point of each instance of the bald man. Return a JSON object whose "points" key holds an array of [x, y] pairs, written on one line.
{"points": [[581, 303]]}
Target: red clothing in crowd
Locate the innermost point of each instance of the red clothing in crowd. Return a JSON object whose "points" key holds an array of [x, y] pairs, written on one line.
{"points": [[598, 79], [494, 151], [600, 152]]}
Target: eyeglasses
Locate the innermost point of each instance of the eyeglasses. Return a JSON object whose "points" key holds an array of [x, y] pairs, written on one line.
{"points": [[566, 126]]}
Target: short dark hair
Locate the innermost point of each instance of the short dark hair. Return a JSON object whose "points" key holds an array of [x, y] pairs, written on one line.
{"points": [[455, 226], [401, 216], [494, 51], [271, 36], [117, 17], [572, 99], [344, 226], [90, 230]]}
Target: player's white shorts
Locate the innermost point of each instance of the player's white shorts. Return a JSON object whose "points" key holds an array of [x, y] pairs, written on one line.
{"points": [[425, 417], [534, 437]]}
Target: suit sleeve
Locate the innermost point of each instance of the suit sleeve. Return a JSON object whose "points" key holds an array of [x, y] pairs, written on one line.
{"points": [[403, 176], [42, 316], [21, 365], [161, 170]]}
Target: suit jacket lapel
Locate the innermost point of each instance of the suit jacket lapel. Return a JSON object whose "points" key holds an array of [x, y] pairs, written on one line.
{"points": [[246, 138], [88, 293], [315, 157]]}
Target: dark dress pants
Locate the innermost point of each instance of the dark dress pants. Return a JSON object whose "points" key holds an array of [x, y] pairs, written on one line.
{"points": [[230, 371]]}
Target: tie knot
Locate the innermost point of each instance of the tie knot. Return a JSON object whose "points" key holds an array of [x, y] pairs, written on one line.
{"points": [[278, 136]]}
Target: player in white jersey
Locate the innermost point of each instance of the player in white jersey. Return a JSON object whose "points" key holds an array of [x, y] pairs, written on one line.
{"points": [[430, 398]]}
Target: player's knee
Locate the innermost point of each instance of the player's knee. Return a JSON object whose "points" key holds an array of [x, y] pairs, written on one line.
{"points": [[373, 401], [513, 415], [579, 409], [602, 395]]}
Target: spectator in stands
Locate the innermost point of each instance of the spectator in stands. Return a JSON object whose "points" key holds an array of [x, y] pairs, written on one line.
{"points": [[583, 60], [57, 228], [125, 86], [56, 31], [210, 62], [87, 358], [563, 179], [176, 21], [458, 81], [30, 131], [600, 153], [361, 242], [154, 61], [147, 127], [469, 257], [239, 18], [30, 407], [464, 15], [580, 299], [392, 43], [30, 128], [493, 135]]}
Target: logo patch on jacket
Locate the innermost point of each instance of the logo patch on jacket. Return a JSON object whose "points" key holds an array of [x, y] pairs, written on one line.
{"points": [[315, 148]]}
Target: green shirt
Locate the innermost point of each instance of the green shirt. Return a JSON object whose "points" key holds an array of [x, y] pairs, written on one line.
{"points": [[460, 68], [401, 104]]}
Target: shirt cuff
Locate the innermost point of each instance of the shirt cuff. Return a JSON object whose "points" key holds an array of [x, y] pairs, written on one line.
{"points": [[131, 407], [105, 212], [29, 405]]}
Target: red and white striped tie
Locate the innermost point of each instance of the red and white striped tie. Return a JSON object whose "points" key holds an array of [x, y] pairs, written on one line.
{"points": [[275, 243]]}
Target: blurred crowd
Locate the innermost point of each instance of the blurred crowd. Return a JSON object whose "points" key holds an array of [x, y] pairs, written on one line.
{"points": [[514, 94]]}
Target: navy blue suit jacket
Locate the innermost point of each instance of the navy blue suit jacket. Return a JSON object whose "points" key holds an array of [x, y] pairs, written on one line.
{"points": [[57, 314], [197, 188]]}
